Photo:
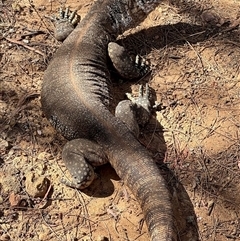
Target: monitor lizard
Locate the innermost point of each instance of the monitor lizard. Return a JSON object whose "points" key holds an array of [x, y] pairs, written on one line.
{"points": [[76, 100]]}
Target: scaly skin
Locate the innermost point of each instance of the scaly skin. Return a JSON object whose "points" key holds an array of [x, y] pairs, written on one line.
{"points": [[75, 98]]}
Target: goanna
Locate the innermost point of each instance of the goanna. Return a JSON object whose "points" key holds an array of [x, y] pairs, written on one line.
{"points": [[75, 98]]}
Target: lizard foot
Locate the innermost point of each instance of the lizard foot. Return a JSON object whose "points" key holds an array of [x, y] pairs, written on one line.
{"points": [[65, 23], [126, 112], [79, 156], [143, 104], [135, 111], [128, 66]]}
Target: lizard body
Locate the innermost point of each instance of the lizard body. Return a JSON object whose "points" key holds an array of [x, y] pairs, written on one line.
{"points": [[76, 99]]}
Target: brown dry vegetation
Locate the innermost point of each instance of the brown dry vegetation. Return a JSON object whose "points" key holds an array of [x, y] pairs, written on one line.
{"points": [[193, 47]]}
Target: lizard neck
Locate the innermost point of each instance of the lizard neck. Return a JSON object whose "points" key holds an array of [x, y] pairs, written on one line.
{"points": [[117, 16]]}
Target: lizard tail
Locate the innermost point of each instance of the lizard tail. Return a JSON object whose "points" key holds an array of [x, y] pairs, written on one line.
{"points": [[141, 175]]}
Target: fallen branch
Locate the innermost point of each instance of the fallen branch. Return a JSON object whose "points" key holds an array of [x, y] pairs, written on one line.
{"points": [[24, 45]]}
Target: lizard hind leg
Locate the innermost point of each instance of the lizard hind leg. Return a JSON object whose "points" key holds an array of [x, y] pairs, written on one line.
{"points": [[128, 66], [79, 156]]}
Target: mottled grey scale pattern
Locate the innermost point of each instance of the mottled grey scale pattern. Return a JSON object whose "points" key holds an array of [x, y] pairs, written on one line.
{"points": [[67, 131], [126, 111], [79, 156], [146, 5], [120, 17]]}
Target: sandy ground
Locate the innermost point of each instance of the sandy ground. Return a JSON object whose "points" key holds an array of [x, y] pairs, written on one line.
{"points": [[193, 48]]}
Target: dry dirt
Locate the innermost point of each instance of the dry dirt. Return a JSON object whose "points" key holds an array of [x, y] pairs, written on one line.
{"points": [[193, 48]]}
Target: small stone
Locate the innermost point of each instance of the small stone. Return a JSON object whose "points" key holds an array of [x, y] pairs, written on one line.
{"points": [[36, 186], [26, 41], [43, 236]]}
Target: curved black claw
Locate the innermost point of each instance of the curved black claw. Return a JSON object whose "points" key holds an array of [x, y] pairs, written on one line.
{"points": [[142, 65]]}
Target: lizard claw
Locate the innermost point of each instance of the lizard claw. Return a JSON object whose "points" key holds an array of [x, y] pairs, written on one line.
{"points": [[141, 93], [142, 65], [67, 15]]}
